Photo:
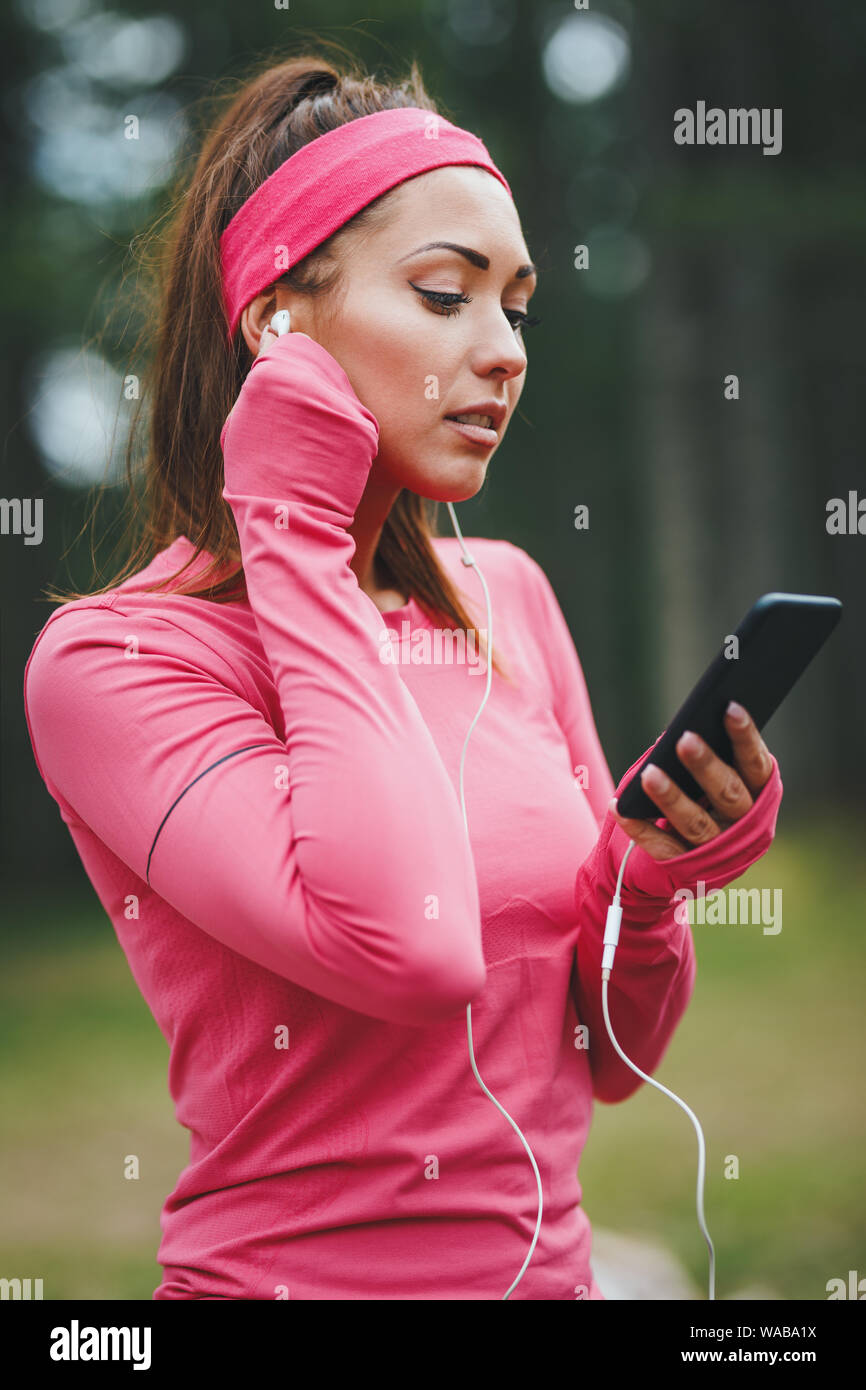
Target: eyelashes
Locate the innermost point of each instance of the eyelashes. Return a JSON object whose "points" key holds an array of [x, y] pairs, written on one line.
{"points": [[449, 304]]}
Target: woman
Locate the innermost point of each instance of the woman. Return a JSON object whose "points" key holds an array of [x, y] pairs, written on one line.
{"points": [[258, 758]]}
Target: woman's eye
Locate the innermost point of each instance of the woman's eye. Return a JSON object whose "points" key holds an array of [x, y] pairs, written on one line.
{"points": [[518, 319], [448, 304], [444, 303]]}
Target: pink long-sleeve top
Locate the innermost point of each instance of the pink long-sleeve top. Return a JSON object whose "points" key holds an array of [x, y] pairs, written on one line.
{"points": [[265, 796]]}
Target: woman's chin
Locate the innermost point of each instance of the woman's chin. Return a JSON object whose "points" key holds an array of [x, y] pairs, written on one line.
{"points": [[443, 476], [455, 484]]}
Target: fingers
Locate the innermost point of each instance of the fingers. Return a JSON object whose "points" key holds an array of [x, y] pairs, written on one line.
{"points": [[751, 754], [658, 843], [268, 336], [725, 789], [695, 824], [728, 792]]}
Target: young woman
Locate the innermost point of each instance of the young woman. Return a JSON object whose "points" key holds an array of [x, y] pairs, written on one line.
{"points": [[257, 749]]}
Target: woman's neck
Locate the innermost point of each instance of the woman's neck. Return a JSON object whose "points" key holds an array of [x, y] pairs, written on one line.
{"points": [[366, 530]]}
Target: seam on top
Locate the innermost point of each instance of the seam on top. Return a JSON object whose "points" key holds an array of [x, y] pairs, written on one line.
{"points": [[195, 779], [109, 602]]}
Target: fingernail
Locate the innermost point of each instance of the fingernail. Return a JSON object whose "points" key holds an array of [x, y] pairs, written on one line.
{"points": [[737, 713], [655, 777]]}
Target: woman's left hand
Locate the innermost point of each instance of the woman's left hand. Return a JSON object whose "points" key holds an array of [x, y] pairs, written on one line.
{"points": [[729, 792]]}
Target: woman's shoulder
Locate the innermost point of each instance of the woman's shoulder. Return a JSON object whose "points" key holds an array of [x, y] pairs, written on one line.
{"points": [[152, 590], [85, 631]]}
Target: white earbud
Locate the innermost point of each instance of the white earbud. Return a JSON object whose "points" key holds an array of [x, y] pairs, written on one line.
{"points": [[281, 322]]}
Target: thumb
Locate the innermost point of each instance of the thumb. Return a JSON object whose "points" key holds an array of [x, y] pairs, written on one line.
{"points": [[268, 336]]}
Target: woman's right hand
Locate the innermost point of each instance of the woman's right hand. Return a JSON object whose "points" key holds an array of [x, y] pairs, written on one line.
{"points": [[297, 431], [269, 336]]}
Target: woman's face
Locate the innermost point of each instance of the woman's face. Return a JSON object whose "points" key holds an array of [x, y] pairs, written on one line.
{"points": [[413, 361]]}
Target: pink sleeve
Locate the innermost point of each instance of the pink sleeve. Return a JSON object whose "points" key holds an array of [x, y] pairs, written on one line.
{"points": [[337, 858], [654, 971]]}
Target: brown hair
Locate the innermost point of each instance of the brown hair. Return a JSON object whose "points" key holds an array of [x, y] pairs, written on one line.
{"points": [[196, 374]]}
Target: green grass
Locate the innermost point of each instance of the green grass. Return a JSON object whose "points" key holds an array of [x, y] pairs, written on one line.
{"points": [[82, 1085], [769, 1055]]}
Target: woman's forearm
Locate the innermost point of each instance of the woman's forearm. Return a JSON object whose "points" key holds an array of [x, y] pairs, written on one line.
{"points": [[373, 806]]}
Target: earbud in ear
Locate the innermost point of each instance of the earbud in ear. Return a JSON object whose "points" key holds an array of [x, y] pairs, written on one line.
{"points": [[281, 322]]}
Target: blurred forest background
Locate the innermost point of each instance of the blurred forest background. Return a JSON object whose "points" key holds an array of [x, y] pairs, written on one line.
{"points": [[703, 262]]}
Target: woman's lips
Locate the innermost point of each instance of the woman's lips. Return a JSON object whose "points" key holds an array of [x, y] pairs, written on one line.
{"points": [[477, 434]]}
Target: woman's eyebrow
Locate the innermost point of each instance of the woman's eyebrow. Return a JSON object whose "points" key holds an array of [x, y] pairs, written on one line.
{"points": [[476, 257]]}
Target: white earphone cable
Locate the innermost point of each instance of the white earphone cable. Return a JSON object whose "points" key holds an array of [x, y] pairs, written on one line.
{"points": [[468, 560], [611, 938]]}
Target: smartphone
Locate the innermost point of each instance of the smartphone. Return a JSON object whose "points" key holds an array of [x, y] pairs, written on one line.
{"points": [[777, 639]]}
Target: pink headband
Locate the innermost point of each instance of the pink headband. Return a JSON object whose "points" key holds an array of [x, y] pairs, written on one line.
{"points": [[324, 184]]}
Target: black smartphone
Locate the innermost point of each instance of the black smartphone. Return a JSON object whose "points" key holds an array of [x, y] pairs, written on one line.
{"points": [[776, 640]]}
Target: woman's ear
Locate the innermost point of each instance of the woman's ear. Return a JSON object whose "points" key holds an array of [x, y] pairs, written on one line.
{"points": [[255, 318], [259, 312]]}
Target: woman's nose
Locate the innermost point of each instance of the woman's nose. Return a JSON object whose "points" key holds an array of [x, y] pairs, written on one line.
{"points": [[504, 351]]}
